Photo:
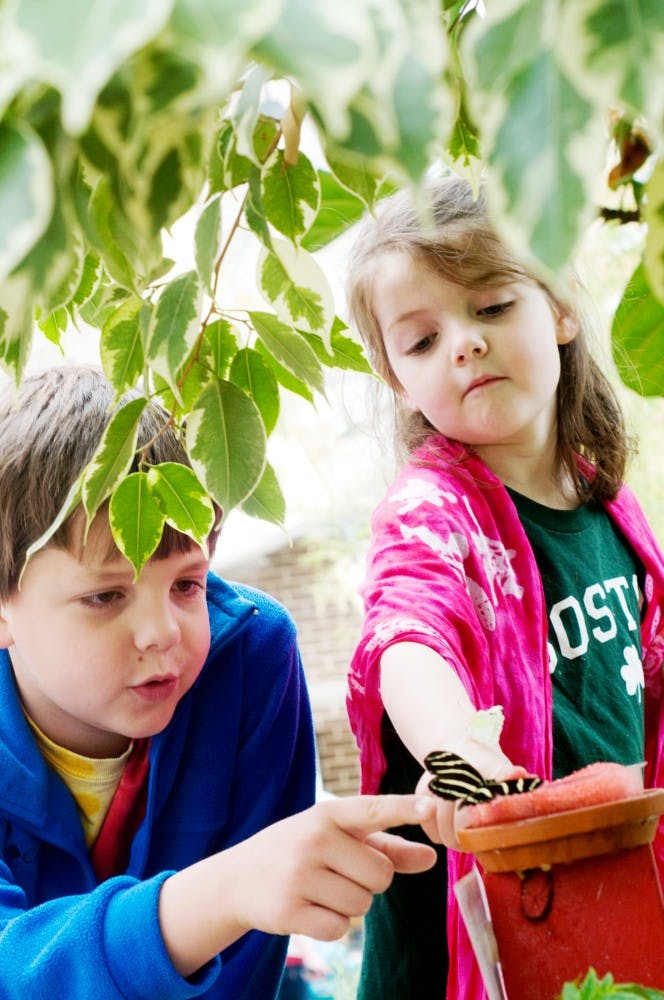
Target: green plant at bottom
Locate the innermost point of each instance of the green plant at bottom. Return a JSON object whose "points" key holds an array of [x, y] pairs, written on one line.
{"points": [[593, 988]]}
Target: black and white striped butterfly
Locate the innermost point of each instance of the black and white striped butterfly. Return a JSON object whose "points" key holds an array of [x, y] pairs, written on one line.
{"points": [[454, 778]]}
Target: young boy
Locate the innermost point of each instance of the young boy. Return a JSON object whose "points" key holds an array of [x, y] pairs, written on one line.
{"points": [[154, 736]]}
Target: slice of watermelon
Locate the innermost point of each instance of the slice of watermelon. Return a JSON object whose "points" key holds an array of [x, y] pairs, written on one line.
{"points": [[591, 785]]}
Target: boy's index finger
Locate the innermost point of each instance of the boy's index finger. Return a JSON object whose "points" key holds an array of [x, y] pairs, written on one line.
{"points": [[370, 813]]}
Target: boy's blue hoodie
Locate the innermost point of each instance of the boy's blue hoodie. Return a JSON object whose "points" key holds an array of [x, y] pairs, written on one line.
{"points": [[237, 756]]}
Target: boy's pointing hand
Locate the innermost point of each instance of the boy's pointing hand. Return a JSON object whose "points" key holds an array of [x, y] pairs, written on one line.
{"points": [[308, 874]]}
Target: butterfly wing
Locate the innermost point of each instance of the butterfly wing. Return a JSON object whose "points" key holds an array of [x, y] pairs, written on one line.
{"points": [[455, 779]]}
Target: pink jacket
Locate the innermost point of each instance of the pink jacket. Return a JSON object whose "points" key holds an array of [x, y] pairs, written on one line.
{"points": [[450, 567]]}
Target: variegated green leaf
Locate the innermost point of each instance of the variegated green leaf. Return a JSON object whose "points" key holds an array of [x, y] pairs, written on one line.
{"points": [[245, 113], [654, 215], [283, 376], [220, 38], [113, 456], [267, 501], [16, 324], [26, 193], [91, 276], [207, 241], [112, 236], [353, 175], [250, 373], [54, 326], [346, 353], [253, 208], [289, 348], [226, 443], [72, 501], [614, 51], [291, 194], [330, 54], [121, 345], [339, 210], [175, 327], [54, 265], [183, 500], [637, 335], [79, 62], [294, 284], [136, 518], [220, 344]]}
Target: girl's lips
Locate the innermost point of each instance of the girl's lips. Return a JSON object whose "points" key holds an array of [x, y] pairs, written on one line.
{"points": [[157, 689], [479, 383]]}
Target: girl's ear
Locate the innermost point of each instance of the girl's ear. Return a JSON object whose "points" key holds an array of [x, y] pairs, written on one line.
{"points": [[567, 327]]}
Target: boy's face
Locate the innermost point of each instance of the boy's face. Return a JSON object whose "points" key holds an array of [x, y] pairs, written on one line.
{"points": [[99, 658]]}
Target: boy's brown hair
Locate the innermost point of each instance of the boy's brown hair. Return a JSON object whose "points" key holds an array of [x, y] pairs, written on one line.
{"points": [[460, 244], [49, 429]]}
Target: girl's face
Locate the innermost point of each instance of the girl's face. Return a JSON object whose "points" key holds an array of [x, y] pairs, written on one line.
{"points": [[481, 364]]}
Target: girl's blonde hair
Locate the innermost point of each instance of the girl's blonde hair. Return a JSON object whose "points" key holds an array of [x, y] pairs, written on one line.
{"points": [[451, 234]]}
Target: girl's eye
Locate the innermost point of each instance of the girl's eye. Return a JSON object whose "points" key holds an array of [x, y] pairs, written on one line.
{"points": [[103, 599], [496, 309], [422, 345]]}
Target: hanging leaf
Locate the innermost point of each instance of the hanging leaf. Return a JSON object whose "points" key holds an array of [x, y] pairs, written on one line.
{"points": [[175, 327], [283, 376], [226, 443], [78, 63], [346, 353], [295, 285], [207, 241], [267, 501], [290, 195], [182, 498], [637, 334], [26, 193], [339, 210], [289, 348], [72, 501], [250, 373], [136, 519], [113, 456], [16, 325], [654, 216], [353, 176], [613, 50], [121, 345]]}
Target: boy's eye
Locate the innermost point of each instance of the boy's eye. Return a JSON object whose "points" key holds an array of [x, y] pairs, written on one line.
{"points": [[496, 309], [189, 587], [103, 599]]}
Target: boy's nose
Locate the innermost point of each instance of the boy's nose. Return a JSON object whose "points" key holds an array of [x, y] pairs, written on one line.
{"points": [[156, 629]]}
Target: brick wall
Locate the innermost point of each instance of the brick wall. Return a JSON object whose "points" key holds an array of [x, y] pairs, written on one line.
{"points": [[317, 582]]}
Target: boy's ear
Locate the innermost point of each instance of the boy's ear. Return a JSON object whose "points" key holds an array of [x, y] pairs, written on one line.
{"points": [[567, 327], [6, 637]]}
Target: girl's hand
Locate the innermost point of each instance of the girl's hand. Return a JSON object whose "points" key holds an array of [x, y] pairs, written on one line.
{"points": [[450, 816]]}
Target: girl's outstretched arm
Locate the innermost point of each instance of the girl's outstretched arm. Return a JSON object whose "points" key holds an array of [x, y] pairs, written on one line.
{"points": [[430, 710]]}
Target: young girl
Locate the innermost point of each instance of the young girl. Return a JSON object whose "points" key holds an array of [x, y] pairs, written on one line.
{"points": [[509, 565]]}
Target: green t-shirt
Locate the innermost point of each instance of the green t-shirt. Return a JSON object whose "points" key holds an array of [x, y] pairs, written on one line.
{"points": [[591, 587]]}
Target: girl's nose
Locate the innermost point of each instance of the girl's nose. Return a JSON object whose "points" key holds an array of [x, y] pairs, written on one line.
{"points": [[467, 346], [156, 629]]}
